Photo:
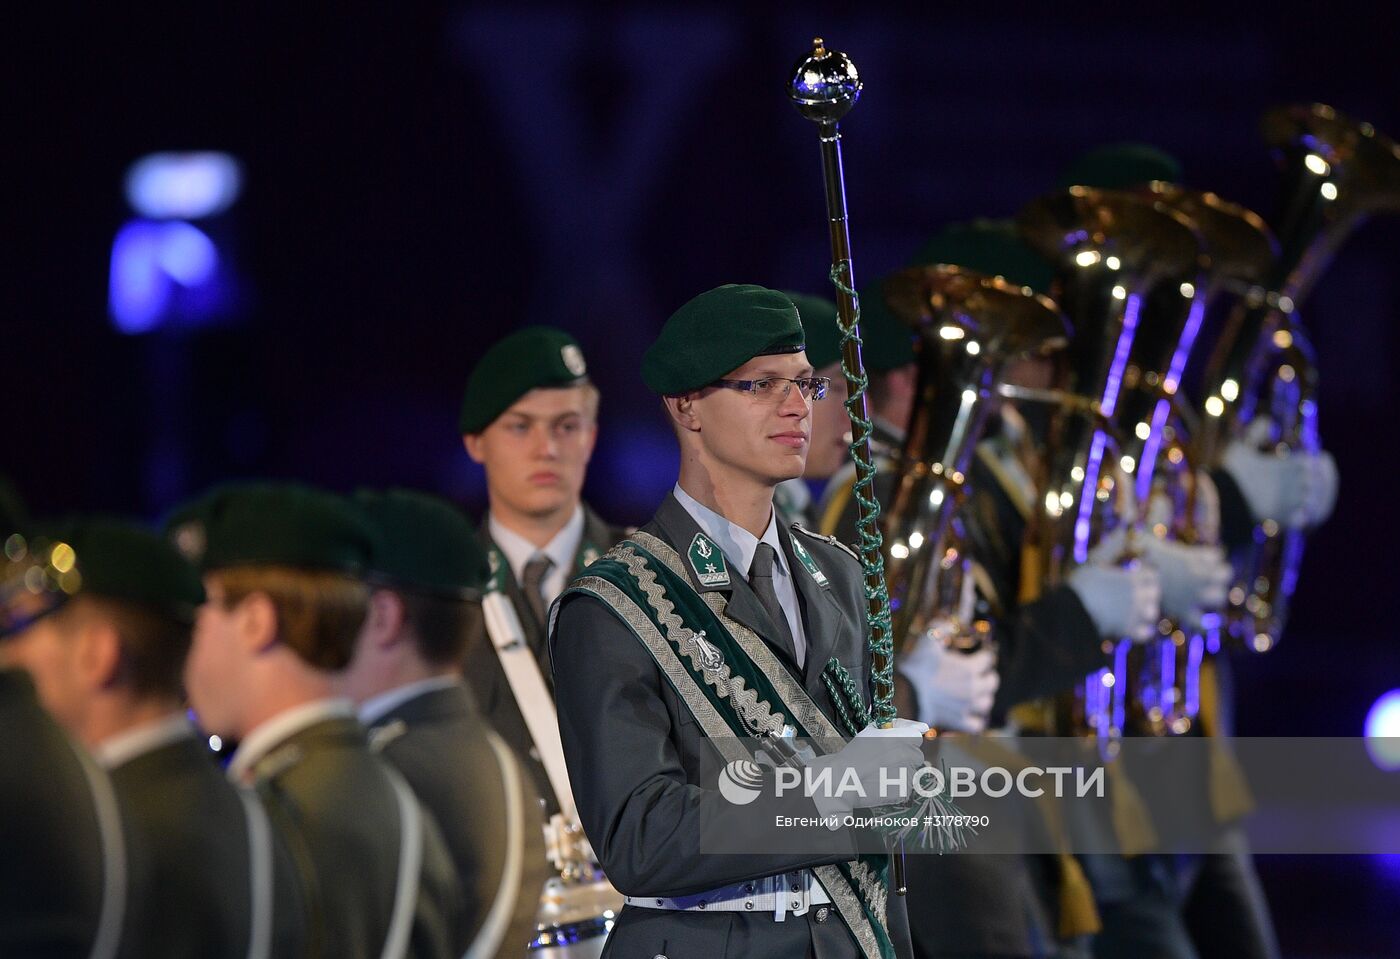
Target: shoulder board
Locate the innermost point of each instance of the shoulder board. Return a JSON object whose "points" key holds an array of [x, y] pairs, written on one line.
{"points": [[830, 540]]}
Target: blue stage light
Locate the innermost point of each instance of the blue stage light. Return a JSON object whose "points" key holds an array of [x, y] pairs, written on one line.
{"points": [[1383, 731], [183, 186], [151, 262]]}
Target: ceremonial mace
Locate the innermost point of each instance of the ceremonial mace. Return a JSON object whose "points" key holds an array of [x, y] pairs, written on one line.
{"points": [[824, 87]]}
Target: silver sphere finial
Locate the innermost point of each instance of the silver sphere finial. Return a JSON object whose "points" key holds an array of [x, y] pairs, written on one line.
{"points": [[824, 84]]}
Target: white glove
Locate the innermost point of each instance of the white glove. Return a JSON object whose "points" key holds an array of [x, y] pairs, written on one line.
{"points": [[1194, 579], [881, 758], [954, 688], [1121, 601], [1297, 490]]}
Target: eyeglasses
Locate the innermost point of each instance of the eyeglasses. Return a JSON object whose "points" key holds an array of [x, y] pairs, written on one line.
{"points": [[778, 388]]}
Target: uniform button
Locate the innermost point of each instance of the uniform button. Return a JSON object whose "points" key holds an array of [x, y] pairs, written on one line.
{"points": [[796, 888], [822, 913], [748, 905], [659, 956], [702, 904], [748, 889], [796, 904], [661, 902]]}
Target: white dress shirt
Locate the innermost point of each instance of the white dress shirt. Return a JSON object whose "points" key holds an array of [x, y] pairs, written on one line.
{"points": [[738, 546], [125, 746], [372, 709], [561, 549]]}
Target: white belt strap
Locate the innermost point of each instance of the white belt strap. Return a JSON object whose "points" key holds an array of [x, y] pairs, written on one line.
{"points": [[493, 929], [260, 875], [791, 892], [109, 827], [410, 867], [531, 694]]}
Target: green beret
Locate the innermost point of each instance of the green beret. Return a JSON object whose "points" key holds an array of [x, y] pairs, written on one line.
{"points": [[886, 343], [537, 356], [716, 333], [990, 247], [110, 558], [820, 328], [273, 524], [425, 544], [1120, 166]]}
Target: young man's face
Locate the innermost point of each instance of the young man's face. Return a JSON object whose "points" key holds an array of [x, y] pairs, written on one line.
{"points": [[536, 453], [53, 656], [214, 669], [762, 438], [831, 428]]}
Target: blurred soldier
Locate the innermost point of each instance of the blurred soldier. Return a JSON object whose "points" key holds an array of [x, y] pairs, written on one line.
{"points": [[530, 418], [208, 878], [715, 584], [284, 607], [62, 853], [427, 575]]}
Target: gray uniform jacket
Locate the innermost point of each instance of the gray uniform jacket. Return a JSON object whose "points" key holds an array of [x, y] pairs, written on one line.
{"points": [[190, 856], [634, 753], [442, 746], [54, 867], [483, 669], [335, 805]]}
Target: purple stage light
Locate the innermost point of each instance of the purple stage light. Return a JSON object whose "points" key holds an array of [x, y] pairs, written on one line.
{"points": [[183, 186], [1383, 731]]}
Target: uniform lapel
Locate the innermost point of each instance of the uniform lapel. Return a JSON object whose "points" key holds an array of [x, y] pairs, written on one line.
{"points": [[679, 528], [598, 538], [822, 617], [534, 630]]}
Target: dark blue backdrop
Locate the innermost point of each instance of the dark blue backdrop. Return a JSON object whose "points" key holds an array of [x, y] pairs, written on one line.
{"points": [[421, 178]]}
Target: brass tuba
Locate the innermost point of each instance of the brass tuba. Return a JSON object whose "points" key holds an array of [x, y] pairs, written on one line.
{"points": [[1337, 172], [1115, 254], [1241, 250], [968, 326]]}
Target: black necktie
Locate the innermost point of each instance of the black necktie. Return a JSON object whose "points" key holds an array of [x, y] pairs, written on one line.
{"points": [[531, 579], [761, 580]]}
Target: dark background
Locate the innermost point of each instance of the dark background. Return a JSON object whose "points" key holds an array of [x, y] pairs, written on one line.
{"points": [[424, 177]]}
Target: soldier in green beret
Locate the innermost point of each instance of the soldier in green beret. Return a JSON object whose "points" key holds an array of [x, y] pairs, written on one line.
{"points": [[887, 352], [984, 905], [427, 575], [282, 569], [530, 418], [783, 606], [208, 875], [62, 851]]}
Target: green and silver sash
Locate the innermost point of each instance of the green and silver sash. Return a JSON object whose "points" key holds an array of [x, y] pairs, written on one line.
{"points": [[734, 686]]}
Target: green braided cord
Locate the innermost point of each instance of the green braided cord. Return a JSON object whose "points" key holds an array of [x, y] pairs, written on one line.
{"points": [[868, 539], [850, 707]]}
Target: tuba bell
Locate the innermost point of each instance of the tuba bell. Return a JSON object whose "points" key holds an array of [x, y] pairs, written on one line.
{"points": [[1118, 258], [1262, 374], [968, 326]]}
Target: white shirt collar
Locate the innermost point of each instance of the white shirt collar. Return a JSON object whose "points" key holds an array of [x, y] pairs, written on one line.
{"points": [[266, 736], [374, 708], [518, 550], [737, 543], [122, 748]]}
